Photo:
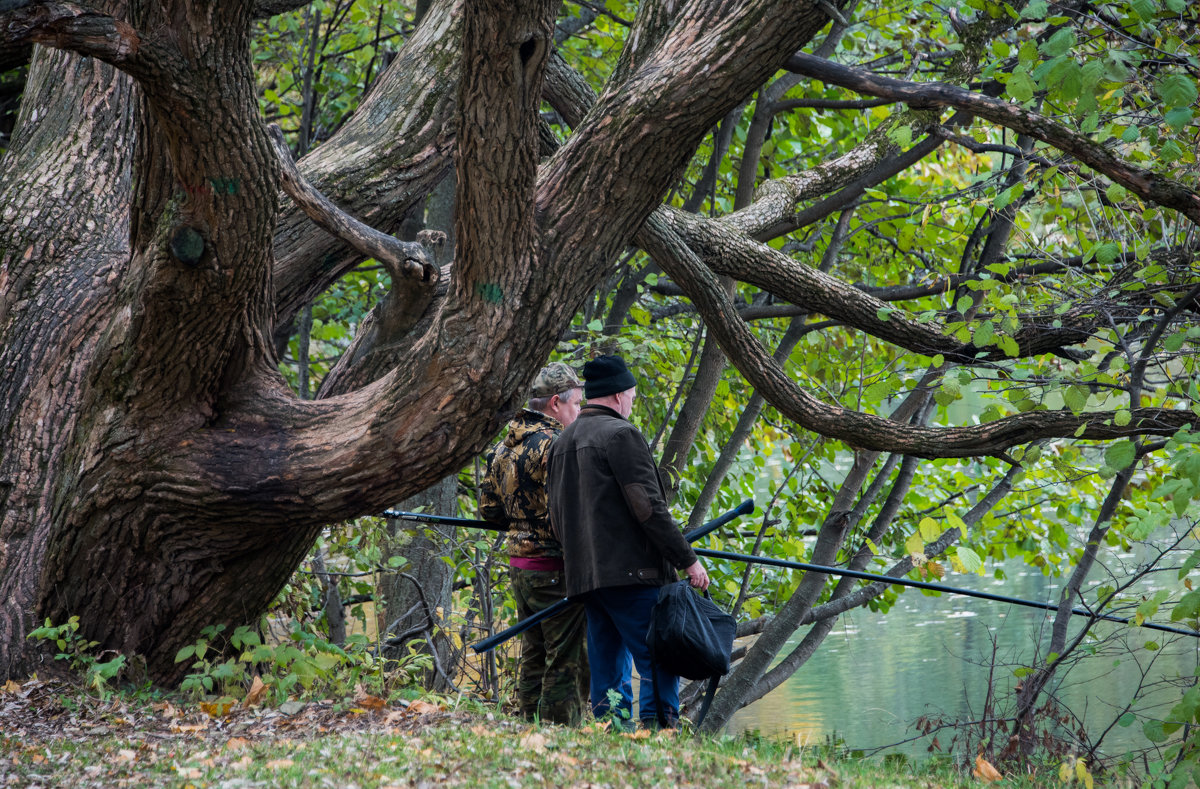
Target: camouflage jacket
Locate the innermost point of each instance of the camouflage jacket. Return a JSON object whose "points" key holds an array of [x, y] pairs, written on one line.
{"points": [[513, 491]]}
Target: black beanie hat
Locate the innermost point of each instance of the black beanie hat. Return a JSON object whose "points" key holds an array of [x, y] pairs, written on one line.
{"points": [[606, 375]]}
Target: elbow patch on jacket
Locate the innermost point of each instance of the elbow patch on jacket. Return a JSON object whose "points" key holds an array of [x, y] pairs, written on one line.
{"points": [[639, 502]]}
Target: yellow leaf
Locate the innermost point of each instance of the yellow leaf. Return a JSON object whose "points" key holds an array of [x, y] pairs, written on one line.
{"points": [[914, 544], [929, 529], [985, 772], [217, 709], [953, 521], [279, 764]]}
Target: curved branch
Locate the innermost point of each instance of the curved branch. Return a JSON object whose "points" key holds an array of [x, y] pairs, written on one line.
{"points": [[1144, 183], [865, 430], [404, 260]]}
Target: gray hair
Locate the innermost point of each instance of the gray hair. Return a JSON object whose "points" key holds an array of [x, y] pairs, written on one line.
{"points": [[542, 403]]}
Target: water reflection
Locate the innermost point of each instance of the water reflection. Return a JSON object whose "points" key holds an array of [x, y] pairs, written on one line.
{"points": [[875, 675]]}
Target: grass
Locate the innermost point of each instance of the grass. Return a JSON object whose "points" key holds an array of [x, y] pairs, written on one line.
{"points": [[53, 734]]}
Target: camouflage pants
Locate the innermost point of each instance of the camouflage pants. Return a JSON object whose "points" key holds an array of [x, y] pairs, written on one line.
{"points": [[553, 680]]}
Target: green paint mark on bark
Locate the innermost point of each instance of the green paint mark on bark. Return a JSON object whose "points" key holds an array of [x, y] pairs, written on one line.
{"points": [[489, 292], [225, 186]]}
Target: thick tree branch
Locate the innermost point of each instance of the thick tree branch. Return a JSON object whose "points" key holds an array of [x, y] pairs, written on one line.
{"points": [[1144, 183], [404, 260], [70, 27]]}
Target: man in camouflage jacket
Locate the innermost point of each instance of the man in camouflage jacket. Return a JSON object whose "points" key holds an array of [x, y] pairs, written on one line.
{"points": [[554, 674]]}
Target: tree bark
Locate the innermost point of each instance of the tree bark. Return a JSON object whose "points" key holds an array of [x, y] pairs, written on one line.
{"points": [[157, 475]]}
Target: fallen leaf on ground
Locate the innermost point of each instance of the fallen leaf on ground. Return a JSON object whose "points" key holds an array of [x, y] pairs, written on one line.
{"points": [[372, 703], [217, 709], [423, 708], [258, 689], [278, 764], [534, 741], [236, 743], [985, 772]]}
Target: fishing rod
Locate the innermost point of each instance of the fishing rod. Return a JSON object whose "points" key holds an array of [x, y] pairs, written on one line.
{"points": [[493, 641], [422, 517], [741, 557]]}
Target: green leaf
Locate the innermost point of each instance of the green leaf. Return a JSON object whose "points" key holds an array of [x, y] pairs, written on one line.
{"points": [[1106, 254], [1061, 43], [1122, 417], [970, 560], [1076, 397], [1170, 152], [1120, 455], [1034, 10], [1179, 118], [985, 334], [1145, 9], [1177, 90], [879, 391], [883, 312], [901, 136], [1020, 86]]}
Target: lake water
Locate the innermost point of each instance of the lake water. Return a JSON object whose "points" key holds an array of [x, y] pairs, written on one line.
{"points": [[876, 674]]}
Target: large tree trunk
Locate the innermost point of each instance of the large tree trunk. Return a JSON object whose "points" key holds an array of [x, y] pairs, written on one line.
{"points": [[56, 294], [157, 476]]}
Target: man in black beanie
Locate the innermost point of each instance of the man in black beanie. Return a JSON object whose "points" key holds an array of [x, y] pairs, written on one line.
{"points": [[608, 508]]}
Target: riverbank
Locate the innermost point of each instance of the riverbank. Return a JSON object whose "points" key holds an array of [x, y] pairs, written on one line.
{"points": [[52, 734]]}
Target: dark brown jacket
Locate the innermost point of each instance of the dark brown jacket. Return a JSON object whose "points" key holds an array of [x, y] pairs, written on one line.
{"points": [[608, 507]]}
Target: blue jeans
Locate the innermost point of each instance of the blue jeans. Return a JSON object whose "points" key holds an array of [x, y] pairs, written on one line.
{"points": [[618, 618]]}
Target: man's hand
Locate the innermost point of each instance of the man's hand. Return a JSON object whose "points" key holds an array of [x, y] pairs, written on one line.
{"points": [[697, 576]]}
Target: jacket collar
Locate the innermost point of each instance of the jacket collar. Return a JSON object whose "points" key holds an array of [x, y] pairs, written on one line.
{"points": [[598, 410]]}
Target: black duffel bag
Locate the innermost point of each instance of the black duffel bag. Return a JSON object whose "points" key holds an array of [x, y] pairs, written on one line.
{"points": [[690, 636]]}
